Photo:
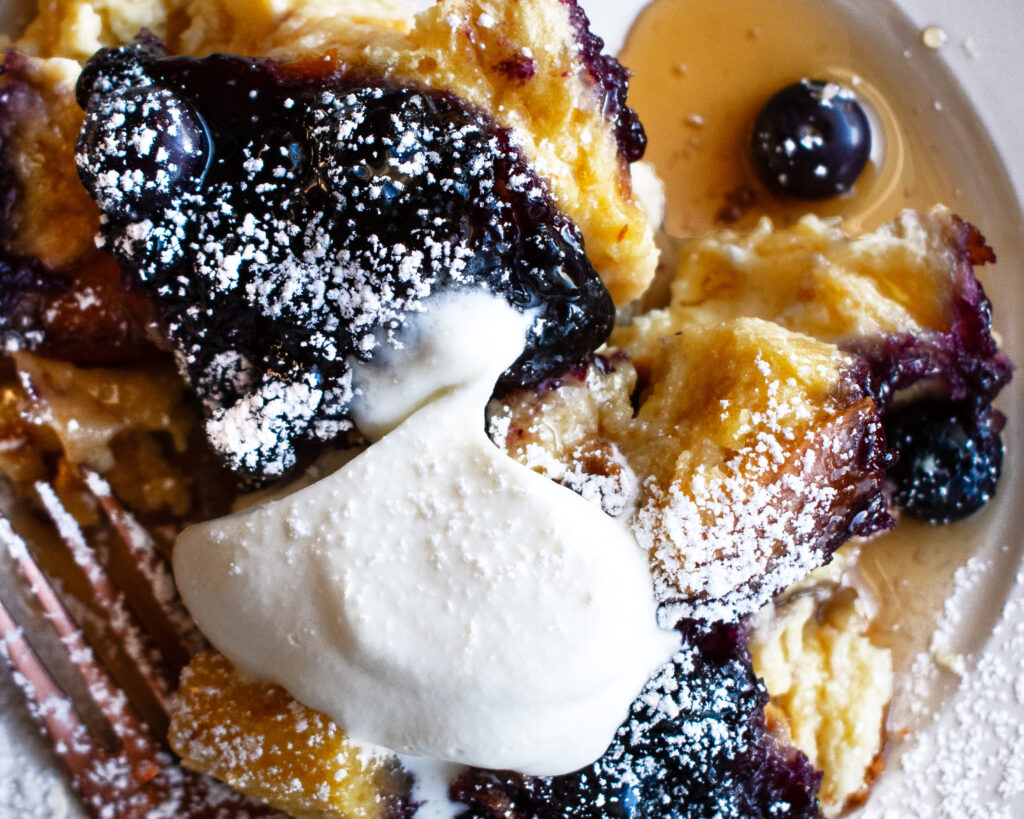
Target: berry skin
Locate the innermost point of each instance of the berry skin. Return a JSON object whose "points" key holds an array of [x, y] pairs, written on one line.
{"points": [[811, 140], [612, 81], [297, 215], [948, 458], [695, 746], [140, 150], [118, 68]]}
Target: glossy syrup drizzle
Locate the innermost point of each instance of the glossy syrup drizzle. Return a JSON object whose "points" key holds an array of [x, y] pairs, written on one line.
{"points": [[704, 68]]}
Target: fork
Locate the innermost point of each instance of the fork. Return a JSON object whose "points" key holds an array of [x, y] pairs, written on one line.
{"points": [[98, 672]]}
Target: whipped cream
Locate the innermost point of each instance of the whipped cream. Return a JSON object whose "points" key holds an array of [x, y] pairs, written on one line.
{"points": [[434, 596], [453, 343]]}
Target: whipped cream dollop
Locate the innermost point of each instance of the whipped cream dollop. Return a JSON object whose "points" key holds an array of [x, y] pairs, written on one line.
{"points": [[434, 596]]}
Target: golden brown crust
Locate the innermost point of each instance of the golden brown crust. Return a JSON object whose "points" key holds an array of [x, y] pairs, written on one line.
{"points": [[255, 737], [750, 449], [749, 439], [457, 45], [812, 278]]}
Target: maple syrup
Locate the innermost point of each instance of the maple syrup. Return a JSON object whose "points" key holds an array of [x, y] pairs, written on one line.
{"points": [[703, 69]]}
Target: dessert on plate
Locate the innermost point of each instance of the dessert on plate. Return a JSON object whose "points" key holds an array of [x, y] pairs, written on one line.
{"points": [[351, 294]]}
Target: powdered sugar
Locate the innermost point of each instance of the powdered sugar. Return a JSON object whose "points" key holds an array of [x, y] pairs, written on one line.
{"points": [[316, 216], [614, 488], [255, 427], [30, 782], [782, 484], [964, 755]]}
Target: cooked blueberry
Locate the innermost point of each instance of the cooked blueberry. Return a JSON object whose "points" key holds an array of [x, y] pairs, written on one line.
{"points": [[612, 81], [26, 286], [695, 746], [140, 149], [948, 458], [328, 211], [114, 68], [811, 140]]}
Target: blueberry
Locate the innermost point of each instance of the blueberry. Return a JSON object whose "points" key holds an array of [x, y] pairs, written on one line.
{"points": [[392, 146], [140, 149], [112, 68], [305, 216], [811, 140], [695, 746], [611, 79], [948, 458]]}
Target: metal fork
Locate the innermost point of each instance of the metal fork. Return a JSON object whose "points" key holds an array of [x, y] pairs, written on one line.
{"points": [[97, 671]]}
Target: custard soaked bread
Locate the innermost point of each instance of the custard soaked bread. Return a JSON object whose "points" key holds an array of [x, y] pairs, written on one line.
{"points": [[277, 236], [778, 360], [830, 684], [761, 386], [255, 737], [533, 65], [761, 418], [753, 448]]}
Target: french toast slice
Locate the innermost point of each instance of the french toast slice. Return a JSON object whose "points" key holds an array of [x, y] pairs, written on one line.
{"points": [[532, 65], [750, 408]]}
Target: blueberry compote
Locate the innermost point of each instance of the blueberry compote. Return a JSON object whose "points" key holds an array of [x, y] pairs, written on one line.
{"points": [[612, 78], [695, 746], [946, 441], [287, 217]]}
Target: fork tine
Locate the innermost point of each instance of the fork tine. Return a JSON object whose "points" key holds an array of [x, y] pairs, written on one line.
{"points": [[149, 682], [93, 767], [47, 701], [132, 778], [167, 619]]}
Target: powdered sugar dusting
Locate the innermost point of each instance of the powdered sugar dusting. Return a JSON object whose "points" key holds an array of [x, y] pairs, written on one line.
{"points": [[719, 561], [727, 536], [292, 226], [965, 756], [614, 488], [30, 782]]}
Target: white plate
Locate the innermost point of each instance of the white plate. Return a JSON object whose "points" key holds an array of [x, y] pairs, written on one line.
{"points": [[964, 704], [958, 715]]}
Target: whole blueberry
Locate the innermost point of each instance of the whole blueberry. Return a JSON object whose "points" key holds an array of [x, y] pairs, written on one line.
{"points": [[811, 140], [112, 68], [948, 458], [140, 149]]}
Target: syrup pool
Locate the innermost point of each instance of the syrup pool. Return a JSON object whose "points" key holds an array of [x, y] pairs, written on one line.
{"points": [[702, 70]]}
